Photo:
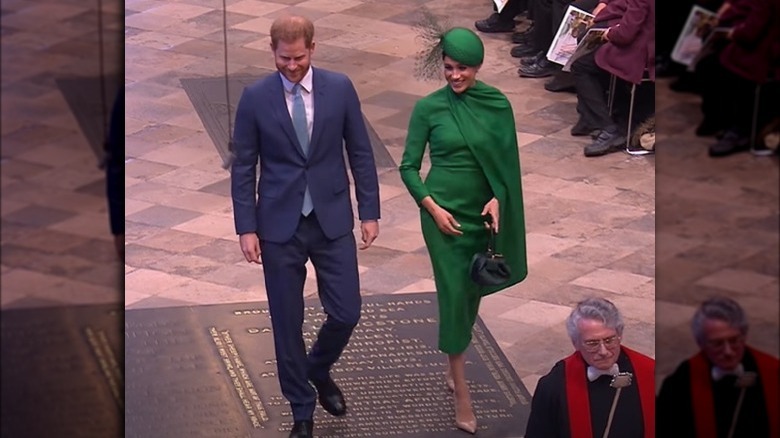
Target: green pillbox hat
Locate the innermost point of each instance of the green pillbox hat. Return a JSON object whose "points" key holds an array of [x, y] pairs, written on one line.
{"points": [[464, 46]]}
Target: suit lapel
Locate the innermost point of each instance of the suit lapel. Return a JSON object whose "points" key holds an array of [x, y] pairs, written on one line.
{"points": [[279, 105], [320, 92]]}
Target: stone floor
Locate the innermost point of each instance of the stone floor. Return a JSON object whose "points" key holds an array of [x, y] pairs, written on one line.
{"points": [[590, 222], [593, 226], [716, 232], [56, 242]]}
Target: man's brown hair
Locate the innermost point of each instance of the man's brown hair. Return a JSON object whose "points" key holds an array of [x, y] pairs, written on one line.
{"points": [[290, 28]]}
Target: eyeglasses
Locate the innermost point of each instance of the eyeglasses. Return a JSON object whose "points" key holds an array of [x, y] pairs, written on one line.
{"points": [[594, 345], [719, 344]]}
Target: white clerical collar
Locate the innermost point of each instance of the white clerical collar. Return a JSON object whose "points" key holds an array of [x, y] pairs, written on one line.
{"points": [[595, 373], [720, 373]]}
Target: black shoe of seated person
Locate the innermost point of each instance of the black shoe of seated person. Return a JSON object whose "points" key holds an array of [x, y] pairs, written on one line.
{"points": [[528, 60], [562, 81], [523, 50], [609, 140], [541, 69], [581, 129], [731, 143], [522, 37], [494, 24]]}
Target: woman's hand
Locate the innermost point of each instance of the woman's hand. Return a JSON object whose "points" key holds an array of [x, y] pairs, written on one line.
{"points": [[491, 208], [443, 218]]}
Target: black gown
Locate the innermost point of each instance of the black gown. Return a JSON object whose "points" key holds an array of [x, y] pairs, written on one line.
{"points": [[549, 416], [674, 412]]}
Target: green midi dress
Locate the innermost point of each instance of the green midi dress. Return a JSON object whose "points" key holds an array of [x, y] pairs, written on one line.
{"points": [[474, 157]]}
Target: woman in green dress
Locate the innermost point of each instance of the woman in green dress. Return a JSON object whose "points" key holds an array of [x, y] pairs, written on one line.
{"points": [[474, 179]]}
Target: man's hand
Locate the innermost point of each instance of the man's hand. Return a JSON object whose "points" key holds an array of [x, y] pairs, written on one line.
{"points": [[722, 9], [599, 7], [250, 246], [369, 230]]}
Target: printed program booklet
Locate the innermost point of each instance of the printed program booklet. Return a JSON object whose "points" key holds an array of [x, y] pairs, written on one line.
{"points": [[574, 25]]}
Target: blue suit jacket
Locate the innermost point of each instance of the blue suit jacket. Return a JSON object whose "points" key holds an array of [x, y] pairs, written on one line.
{"points": [[264, 131]]}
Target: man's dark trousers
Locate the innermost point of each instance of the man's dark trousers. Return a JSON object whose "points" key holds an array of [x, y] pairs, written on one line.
{"points": [[284, 267]]}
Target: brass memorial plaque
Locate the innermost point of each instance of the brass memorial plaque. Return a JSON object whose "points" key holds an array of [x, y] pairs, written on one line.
{"points": [[62, 372], [209, 371]]}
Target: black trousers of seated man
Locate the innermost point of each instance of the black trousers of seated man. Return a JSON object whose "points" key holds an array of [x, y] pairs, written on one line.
{"points": [[511, 9], [542, 33], [728, 99], [548, 15], [592, 84]]}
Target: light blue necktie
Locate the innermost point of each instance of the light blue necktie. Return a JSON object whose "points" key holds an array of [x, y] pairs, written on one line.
{"points": [[302, 131]]}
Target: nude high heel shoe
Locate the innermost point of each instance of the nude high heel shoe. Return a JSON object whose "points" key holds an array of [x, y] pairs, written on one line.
{"points": [[464, 416]]}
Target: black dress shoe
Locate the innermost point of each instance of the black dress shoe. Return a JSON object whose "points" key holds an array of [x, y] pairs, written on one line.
{"points": [[302, 429], [731, 143], [494, 24], [330, 397], [528, 60], [522, 37], [561, 81], [609, 140], [522, 50], [541, 69], [582, 129]]}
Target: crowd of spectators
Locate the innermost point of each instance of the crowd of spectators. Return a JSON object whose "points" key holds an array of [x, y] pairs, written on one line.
{"points": [[738, 78], [626, 56]]}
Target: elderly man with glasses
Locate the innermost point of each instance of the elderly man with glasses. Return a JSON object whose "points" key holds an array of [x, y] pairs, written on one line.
{"points": [[728, 389], [602, 389]]}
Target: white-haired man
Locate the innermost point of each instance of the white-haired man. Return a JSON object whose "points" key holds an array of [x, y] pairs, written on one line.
{"points": [[601, 386], [727, 389]]}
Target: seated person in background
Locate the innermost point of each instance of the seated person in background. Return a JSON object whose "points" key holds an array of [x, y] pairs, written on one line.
{"points": [[729, 77], [700, 398], [562, 80], [503, 21], [673, 17], [538, 40], [533, 53], [576, 397], [628, 54]]}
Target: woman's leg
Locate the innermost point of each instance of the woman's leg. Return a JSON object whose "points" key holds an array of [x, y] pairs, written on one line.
{"points": [[464, 413]]}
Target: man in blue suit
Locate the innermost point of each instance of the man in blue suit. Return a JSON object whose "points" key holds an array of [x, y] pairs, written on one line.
{"points": [[298, 124]]}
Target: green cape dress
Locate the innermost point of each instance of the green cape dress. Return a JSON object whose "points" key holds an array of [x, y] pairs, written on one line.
{"points": [[474, 157]]}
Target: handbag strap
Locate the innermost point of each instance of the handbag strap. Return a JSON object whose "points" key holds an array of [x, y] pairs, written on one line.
{"points": [[491, 249]]}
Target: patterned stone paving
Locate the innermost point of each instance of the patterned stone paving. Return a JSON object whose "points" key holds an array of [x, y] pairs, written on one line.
{"points": [[56, 243], [592, 223], [716, 233]]}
